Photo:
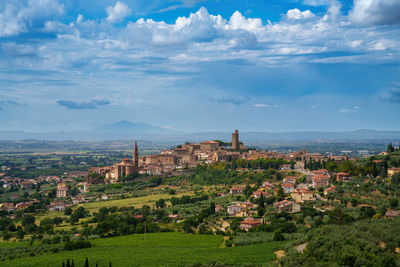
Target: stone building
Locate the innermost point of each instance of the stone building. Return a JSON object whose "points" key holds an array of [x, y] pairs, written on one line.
{"points": [[235, 140], [124, 168], [62, 190]]}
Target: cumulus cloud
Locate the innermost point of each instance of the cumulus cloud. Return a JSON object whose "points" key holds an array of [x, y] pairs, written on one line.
{"points": [[375, 12], [19, 16], [296, 14], [91, 104], [118, 12]]}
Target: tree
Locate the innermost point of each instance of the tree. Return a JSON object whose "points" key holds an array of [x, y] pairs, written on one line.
{"points": [[346, 166], [212, 207], [395, 178], [68, 211], [383, 173], [261, 206], [86, 262], [390, 148], [20, 234], [394, 203], [28, 220], [74, 218], [278, 236], [6, 235], [160, 203]]}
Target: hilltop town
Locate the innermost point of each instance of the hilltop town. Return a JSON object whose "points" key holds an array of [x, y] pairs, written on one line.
{"points": [[212, 188]]}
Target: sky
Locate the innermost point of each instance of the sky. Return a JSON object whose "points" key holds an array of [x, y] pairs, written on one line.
{"points": [[200, 65]]}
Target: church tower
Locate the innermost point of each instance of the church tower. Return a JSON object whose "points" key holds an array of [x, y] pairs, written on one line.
{"points": [[135, 159], [235, 140]]}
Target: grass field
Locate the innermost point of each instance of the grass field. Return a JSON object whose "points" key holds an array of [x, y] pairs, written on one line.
{"points": [[136, 202], [160, 249]]}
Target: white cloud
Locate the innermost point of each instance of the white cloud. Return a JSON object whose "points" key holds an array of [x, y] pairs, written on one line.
{"points": [[350, 110], [19, 16], [317, 2], [267, 106], [375, 12], [295, 14], [118, 12], [238, 21]]}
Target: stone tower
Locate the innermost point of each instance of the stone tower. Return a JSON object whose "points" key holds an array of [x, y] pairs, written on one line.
{"points": [[235, 140], [135, 159]]}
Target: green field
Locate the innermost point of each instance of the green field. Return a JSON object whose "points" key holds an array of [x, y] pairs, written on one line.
{"points": [[160, 249], [136, 202]]}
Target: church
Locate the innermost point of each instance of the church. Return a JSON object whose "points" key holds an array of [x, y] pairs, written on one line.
{"points": [[124, 168]]}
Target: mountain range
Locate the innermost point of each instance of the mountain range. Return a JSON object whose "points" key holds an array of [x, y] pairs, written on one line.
{"points": [[126, 130]]}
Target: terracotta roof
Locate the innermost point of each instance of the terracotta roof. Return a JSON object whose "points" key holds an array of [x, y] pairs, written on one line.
{"points": [[250, 222]]}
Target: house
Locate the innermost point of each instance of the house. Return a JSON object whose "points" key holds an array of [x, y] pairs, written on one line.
{"points": [[343, 177], [320, 181], [26, 185], [7, 206], [321, 172], [392, 171], [57, 205], [233, 209], [328, 190], [257, 194], [62, 190], [391, 214], [301, 195], [287, 187], [218, 208], [249, 223], [246, 205], [138, 216], [286, 206], [267, 186], [78, 199], [104, 197], [23, 205], [236, 191], [290, 179]]}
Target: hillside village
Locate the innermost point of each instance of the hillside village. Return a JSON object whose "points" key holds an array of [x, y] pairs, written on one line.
{"points": [[207, 188]]}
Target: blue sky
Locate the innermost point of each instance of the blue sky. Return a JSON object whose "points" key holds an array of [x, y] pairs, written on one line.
{"points": [[200, 65]]}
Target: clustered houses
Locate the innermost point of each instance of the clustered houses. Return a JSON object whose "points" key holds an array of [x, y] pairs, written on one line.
{"points": [[287, 206], [175, 161], [241, 209], [295, 194]]}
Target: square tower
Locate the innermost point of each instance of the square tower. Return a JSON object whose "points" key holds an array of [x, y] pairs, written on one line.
{"points": [[235, 140]]}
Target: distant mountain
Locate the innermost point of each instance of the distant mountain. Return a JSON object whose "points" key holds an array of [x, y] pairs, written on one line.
{"points": [[125, 130], [127, 127]]}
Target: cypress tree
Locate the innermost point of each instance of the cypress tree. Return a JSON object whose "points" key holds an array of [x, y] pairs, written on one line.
{"points": [[68, 265], [86, 262], [63, 264], [72, 263]]}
